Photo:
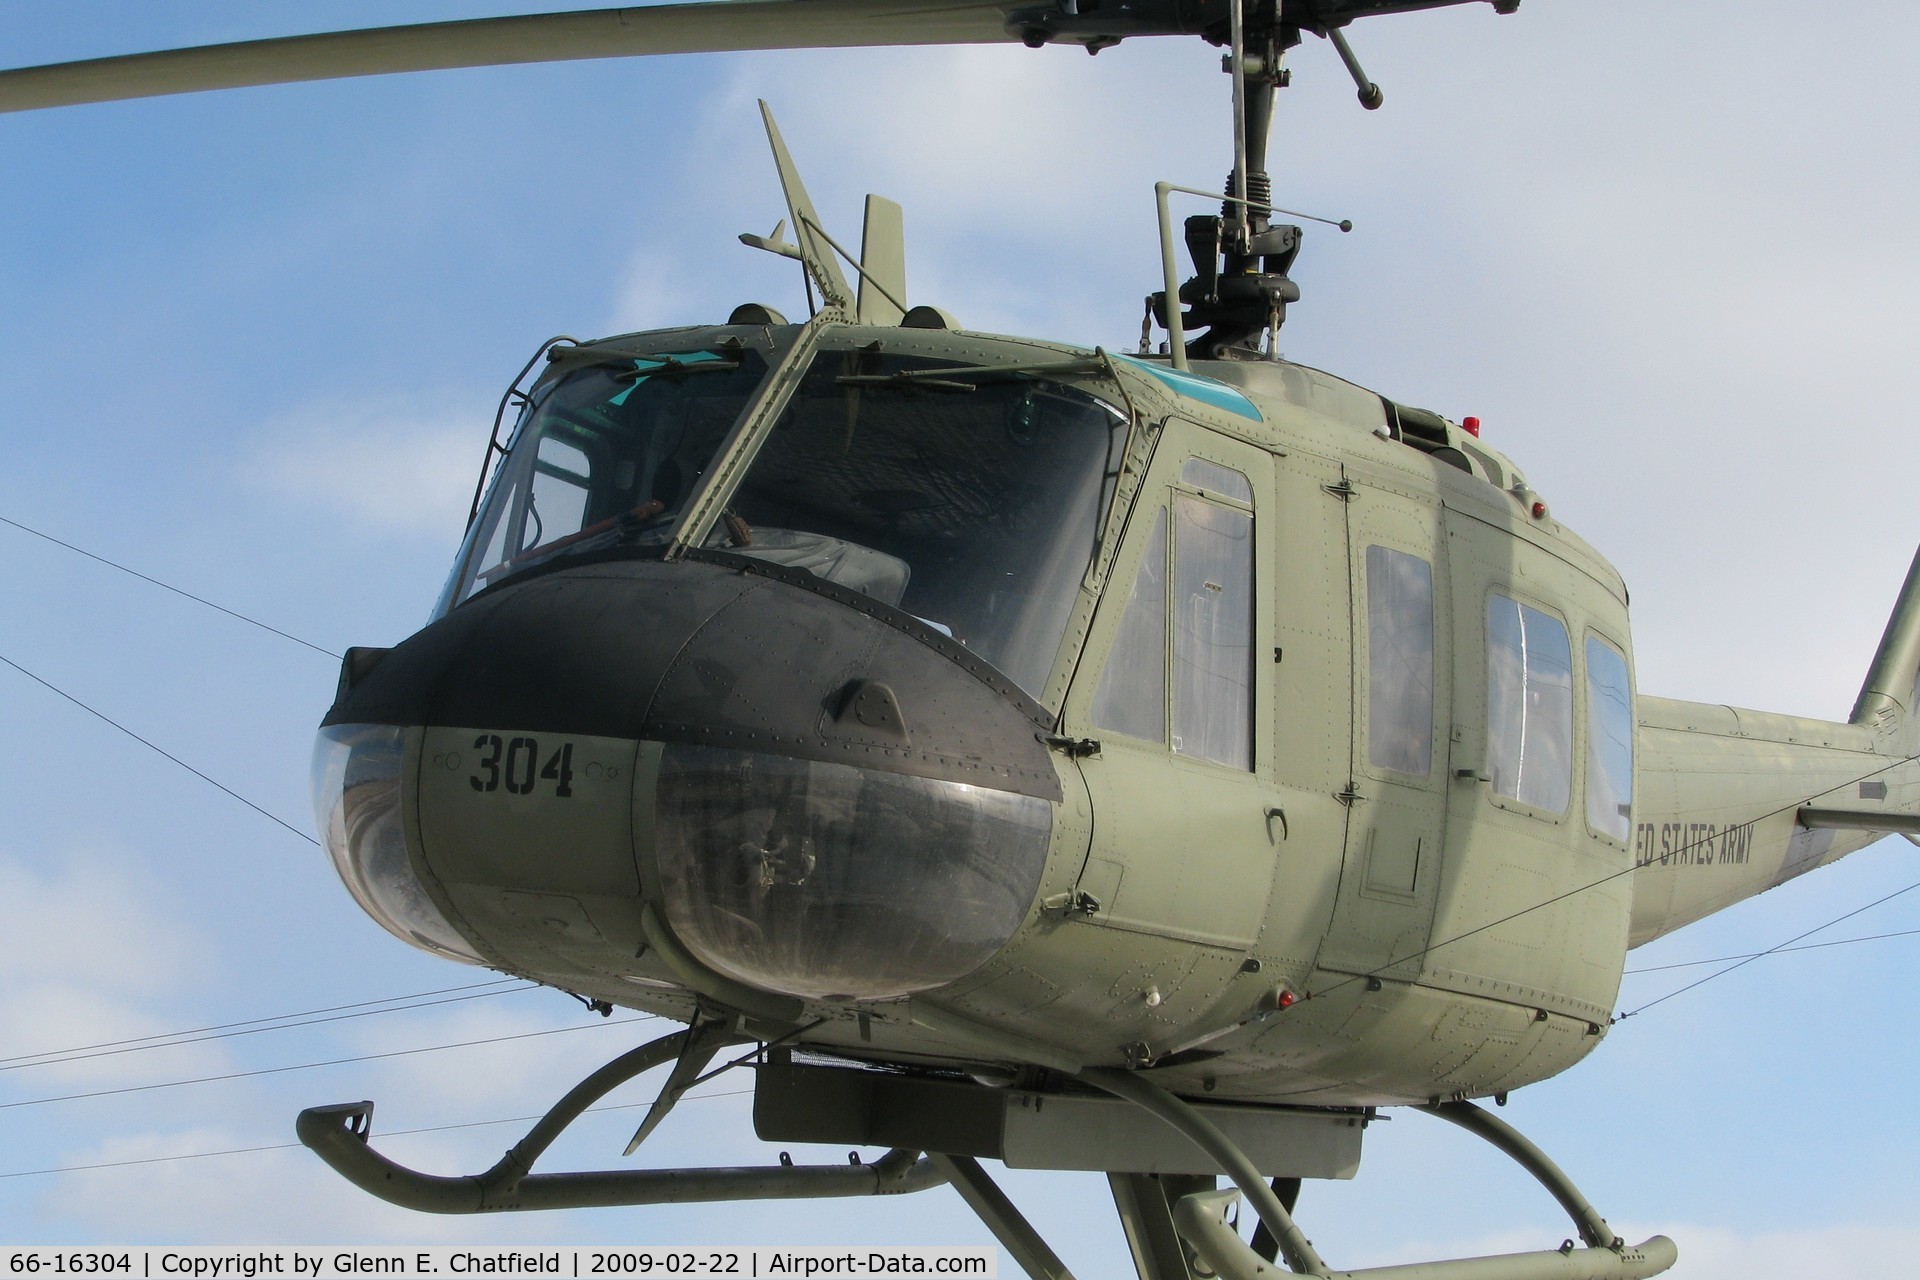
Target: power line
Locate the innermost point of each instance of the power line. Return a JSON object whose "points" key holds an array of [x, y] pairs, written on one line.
{"points": [[1718, 973], [102, 716], [165, 586], [59, 1057], [248, 1022], [308, 1066], [1633, 865], [397, 1133], [1775, 951]]}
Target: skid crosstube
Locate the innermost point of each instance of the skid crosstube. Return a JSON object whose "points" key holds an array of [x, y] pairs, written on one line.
{"points": [[1177, 1225], [1200, 1217]]}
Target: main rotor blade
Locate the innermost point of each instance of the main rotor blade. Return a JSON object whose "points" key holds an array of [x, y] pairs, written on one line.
{"points": [[730, 26]]}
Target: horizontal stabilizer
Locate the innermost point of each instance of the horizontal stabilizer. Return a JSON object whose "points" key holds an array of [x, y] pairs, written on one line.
{"points": [[1859, 820]]}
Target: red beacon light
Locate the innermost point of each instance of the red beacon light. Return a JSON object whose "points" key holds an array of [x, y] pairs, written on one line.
{"points": [[1471, 426]]}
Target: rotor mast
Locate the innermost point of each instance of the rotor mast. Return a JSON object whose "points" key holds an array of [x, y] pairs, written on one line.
{"points": [[1240, 289]]}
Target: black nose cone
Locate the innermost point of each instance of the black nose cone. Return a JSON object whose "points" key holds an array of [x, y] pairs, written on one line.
{"points": [[716, 651], [833, 801]]}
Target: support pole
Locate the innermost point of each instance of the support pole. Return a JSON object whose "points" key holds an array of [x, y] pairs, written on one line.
{"points": [[1294, 1247], [1146, 1202], [1008, 1225]]}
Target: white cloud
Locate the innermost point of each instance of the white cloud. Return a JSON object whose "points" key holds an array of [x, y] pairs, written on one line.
{"points": [[90, 959], [654, 291], [1862, 1252], [88, 923], [1858, 1252], [385, 466], [1681, 328]]}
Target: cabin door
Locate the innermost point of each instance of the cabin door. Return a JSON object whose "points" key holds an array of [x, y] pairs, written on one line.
{"points": [[1397, 791]]}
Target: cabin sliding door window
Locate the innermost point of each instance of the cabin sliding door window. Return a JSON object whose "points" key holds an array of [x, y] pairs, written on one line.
{"points": [[1609, 741], [1529, 705], [1190, 615], [1399, 661]]}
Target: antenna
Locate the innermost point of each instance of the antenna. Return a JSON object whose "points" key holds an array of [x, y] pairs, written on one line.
{"points": [[883, 264], [814, 249]]}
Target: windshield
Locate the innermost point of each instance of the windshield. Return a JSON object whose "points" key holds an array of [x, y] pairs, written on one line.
{"points": [[606, 455], [970, 500]]}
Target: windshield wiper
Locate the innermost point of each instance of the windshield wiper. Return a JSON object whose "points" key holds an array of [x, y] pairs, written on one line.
{"points": [[926, 378], [626, 527], [945, 379], [673, 366]]}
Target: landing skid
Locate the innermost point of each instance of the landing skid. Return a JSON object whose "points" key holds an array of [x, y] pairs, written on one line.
{"points": [[341, 1135], [1176, 1224]]}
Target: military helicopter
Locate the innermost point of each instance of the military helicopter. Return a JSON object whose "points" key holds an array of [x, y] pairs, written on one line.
{"points": [[1070, 906]]}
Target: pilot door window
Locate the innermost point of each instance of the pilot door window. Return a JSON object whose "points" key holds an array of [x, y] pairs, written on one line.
{"points": [[1132, 697], [1399, 661], [1529, 705], [1198, 594]]}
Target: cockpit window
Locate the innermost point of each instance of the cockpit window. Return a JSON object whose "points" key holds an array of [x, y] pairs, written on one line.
{"points": [[606, 455], [969, 500]]}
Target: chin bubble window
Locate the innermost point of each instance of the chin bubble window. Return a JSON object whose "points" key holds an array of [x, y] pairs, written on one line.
{"points": [[831, 882]]}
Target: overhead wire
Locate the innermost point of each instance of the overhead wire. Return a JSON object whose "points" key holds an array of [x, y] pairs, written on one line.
{"points": [[234, 1029], [396, 1133], [151, 746], [1634, 865], [167, 586], [1719, 973], [290, 1022], [253, 1026], [1781, 950], [1372, 973], [248, 1022], [309, 1066]]}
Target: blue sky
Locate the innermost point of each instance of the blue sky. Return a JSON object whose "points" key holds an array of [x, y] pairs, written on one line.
{"points": [[251, 343]]}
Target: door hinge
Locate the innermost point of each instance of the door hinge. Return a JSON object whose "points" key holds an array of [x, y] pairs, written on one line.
{"points": [[1350, 796], [1344, 490], [1073, 748], [1076, 902]]}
